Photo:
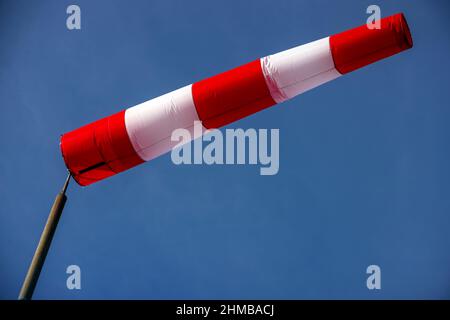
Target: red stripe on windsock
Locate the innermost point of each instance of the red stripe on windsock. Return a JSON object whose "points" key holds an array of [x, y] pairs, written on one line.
{"points": [[358, 47], [99, 150], [231, 95]]}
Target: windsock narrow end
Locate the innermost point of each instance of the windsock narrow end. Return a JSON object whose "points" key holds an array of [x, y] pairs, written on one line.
{"points": [[404, 32], [358, 47]]}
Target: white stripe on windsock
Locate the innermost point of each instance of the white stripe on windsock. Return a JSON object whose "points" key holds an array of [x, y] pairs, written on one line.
{"points": [[151, 123], [294, 71]]}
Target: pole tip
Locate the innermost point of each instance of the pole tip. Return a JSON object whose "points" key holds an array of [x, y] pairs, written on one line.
{"points": [[66, 183]]}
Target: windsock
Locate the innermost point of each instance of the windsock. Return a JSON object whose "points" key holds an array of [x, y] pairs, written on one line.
{"points": [[140, 133]]}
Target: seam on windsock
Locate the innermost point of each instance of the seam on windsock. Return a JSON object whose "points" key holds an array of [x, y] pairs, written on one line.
{"points": [[305, 79], [277, 93], [132, 136], [142, 149], [100, 151]]}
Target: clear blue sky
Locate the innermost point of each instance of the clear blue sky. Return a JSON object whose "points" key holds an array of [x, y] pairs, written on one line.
{"points": [[364, 160]]}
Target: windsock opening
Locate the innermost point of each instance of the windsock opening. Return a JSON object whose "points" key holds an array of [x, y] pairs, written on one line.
{"points": [[98, 150]]}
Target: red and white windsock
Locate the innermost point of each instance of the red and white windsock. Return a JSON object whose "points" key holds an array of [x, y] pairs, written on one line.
{"points": [[143, 132]]}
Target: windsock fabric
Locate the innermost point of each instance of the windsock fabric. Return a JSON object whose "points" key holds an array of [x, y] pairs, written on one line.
{"points": [[138, 134]]}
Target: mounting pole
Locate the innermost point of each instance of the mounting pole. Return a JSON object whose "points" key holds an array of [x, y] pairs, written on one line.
{"points": [[26, 293]]}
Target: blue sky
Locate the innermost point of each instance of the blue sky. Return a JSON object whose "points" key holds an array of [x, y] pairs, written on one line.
{"points": [[364, 160]]}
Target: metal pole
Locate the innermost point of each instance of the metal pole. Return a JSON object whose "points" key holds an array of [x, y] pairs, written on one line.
{"points": [[35, 268]]}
